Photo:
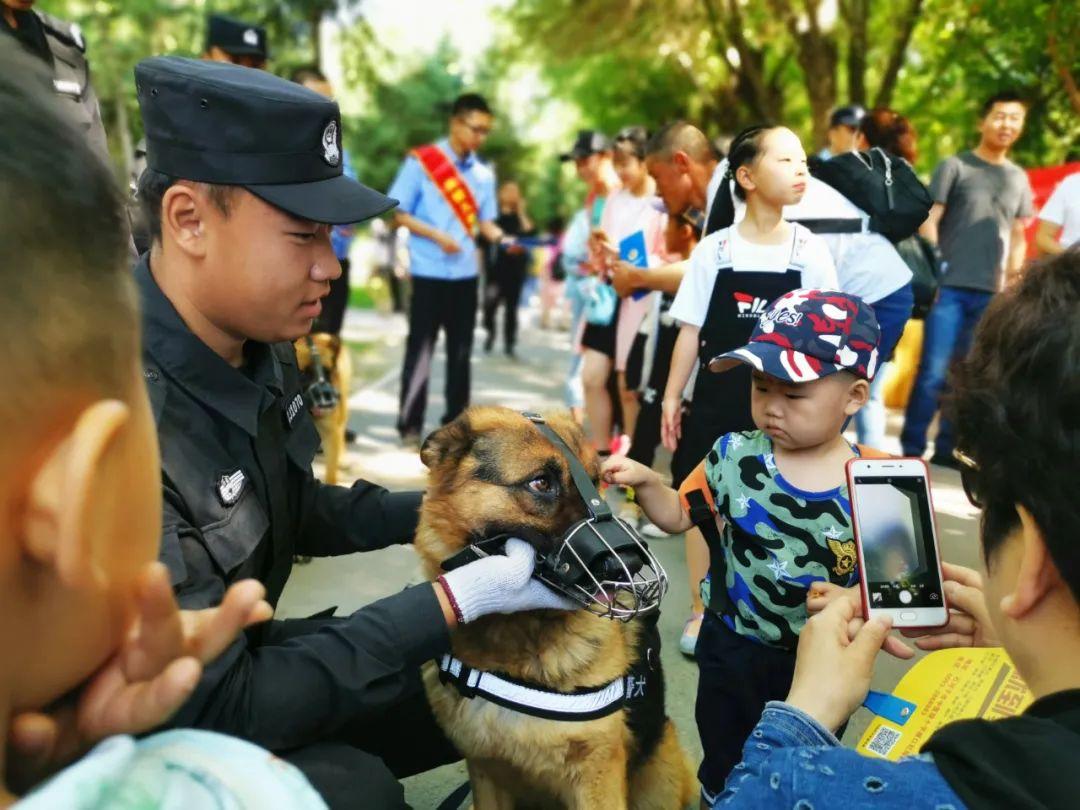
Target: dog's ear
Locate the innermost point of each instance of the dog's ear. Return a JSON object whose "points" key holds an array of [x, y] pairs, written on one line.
{"points": [[449, 443]]}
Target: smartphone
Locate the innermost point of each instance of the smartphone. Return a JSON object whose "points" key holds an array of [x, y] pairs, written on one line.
{"points": [[896, 541]]}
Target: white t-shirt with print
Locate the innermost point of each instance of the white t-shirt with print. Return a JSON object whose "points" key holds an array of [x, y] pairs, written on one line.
{"points": [[695, 292], [1063, 208]]}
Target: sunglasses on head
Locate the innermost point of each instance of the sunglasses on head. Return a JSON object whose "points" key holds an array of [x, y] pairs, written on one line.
{"points": [[968, 468]]}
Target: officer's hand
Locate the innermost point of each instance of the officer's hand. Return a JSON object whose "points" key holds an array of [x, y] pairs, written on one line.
{"points": [[448, 243], [142, 685], [501, 583]]}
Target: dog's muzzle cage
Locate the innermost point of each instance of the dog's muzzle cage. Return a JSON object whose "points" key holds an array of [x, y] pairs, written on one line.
{"points": [[321, 394], [605, 566], [601, 563]]}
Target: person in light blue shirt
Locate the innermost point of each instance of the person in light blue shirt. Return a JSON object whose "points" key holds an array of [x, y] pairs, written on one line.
{"points": [[444, 264]]}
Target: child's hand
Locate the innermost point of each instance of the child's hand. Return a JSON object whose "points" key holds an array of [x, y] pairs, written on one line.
{"points": [[623, 472], [822, 593], [143, 685]]}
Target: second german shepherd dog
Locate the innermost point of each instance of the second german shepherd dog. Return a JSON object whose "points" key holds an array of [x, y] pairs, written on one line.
{"points": [[491, 471]]}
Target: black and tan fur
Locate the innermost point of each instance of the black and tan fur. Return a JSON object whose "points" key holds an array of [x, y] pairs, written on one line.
{"points": [[337, 365], [491, 470]]}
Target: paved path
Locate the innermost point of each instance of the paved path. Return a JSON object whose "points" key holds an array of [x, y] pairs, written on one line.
{"points": [[532, 383]]}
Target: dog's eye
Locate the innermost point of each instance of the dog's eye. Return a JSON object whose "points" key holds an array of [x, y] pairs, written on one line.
{"points": [[542, 485]]}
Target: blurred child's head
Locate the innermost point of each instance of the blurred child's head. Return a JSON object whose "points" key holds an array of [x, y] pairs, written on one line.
{"points": [[812, 356], [768, 164], [683, 232], [509, 195], [80, 498], [628, 156]]}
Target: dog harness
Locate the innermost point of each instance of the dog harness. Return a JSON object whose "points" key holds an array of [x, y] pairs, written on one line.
{"points": [[533, 699]]}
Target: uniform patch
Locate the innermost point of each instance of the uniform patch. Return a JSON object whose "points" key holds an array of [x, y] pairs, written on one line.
{"points": [[230, 486], [331, 152], [293, 409]]}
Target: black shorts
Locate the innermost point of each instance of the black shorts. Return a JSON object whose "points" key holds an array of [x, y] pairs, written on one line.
{"points": [[600, 338]]}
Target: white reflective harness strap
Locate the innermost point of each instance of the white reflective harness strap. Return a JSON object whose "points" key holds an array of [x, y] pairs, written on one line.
{"points": [[532, 700]]}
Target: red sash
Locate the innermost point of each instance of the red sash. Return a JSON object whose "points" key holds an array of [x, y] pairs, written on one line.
{"points": [[444, 174]]}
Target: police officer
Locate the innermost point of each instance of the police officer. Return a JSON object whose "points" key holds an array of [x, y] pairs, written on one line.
{"points": [[60, 45], [230, 40], [243, 181]]}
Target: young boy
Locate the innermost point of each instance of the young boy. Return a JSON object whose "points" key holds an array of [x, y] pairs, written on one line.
{"points": [[87, 619], [781, 497]]}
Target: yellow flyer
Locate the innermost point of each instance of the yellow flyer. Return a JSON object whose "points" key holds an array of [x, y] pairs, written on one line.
{"points": [[948, 685]]}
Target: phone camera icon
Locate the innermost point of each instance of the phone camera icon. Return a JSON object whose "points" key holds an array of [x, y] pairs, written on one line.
{"points": [[876, 598], [934, 597], [905, 597]]}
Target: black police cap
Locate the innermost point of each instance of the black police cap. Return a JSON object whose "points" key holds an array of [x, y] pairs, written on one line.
{"points": [[849, 116], [589, 142], [236, 37], [214, 122]]}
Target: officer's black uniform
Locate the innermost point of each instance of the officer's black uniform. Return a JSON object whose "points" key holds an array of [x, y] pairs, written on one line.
{"points": [[236, 448], [60, 45]]}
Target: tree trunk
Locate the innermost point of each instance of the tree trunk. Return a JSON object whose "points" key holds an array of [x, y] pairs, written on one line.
{"points": [[904, 30], [315, 20], [857, 14], [817, 54]]}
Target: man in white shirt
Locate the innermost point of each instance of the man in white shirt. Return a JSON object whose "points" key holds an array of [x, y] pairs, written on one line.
{"points": [[1059, 220]]}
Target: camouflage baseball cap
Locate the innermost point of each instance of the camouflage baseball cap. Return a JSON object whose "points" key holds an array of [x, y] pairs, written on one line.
{"points": [[808, 334]]}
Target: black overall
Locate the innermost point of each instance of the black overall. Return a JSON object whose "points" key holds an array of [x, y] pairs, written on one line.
{"points": [[721, 402]]}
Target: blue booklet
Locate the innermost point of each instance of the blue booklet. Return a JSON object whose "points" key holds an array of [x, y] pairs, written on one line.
{"points": [[632, 251]]}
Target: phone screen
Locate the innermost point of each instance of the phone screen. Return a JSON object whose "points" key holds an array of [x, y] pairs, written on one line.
{"points": [[896, 532]]}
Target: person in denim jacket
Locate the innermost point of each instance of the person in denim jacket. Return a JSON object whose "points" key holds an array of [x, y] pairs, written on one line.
{"points": [[1016, 408]]}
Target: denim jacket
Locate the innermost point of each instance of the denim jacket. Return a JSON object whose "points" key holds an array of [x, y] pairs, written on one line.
{"points": [[791, 761]]}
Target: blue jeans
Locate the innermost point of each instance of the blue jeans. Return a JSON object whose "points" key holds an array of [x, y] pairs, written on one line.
{"points": [[949, 327], [892, 312], [575, 293]]}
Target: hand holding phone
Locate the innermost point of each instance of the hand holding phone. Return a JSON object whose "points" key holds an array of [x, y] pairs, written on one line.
{"points": [[896, 541]]}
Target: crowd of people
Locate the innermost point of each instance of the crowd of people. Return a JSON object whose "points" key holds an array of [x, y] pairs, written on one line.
{"points": [[738, 309]]}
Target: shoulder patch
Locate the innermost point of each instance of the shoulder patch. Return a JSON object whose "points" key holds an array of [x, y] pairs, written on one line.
{"points": [[68, 33]]}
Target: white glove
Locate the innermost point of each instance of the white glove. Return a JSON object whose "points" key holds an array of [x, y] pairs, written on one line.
{"points": [[501, 583]]}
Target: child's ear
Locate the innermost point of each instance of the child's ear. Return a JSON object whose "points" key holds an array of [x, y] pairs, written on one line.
{"points": [[858, 396], [743, 178], [56, 529]]}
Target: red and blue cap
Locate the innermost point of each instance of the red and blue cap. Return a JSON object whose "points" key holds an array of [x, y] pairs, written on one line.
{"points": [[809, 334]]}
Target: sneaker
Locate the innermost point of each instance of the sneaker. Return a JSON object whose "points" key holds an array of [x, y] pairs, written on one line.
{"points": [[630, 514], [649, 529], [688, 639]]}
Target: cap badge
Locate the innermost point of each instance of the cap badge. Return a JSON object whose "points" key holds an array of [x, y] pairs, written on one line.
{"points": [[230, 486], [251, 37], [331, 152]]}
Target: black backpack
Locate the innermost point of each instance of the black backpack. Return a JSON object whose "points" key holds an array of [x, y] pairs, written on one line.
{"points": [[881, 184]]}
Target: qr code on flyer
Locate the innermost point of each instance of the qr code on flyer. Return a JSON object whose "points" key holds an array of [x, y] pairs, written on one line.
{"points": [[883, 741]]}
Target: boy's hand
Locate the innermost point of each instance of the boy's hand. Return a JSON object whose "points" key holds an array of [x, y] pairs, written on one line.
{"points": [[143, 685], [822, 594], [671, 422], [835, 662], [969, 622], [625, 278], [623, 472]]}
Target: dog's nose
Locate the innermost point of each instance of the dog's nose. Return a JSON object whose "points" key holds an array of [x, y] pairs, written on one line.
{"points": [[615, 567]]}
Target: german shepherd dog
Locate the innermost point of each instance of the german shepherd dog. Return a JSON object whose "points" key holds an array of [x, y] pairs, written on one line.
{"points": [[491, 472], [337, 369]]}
